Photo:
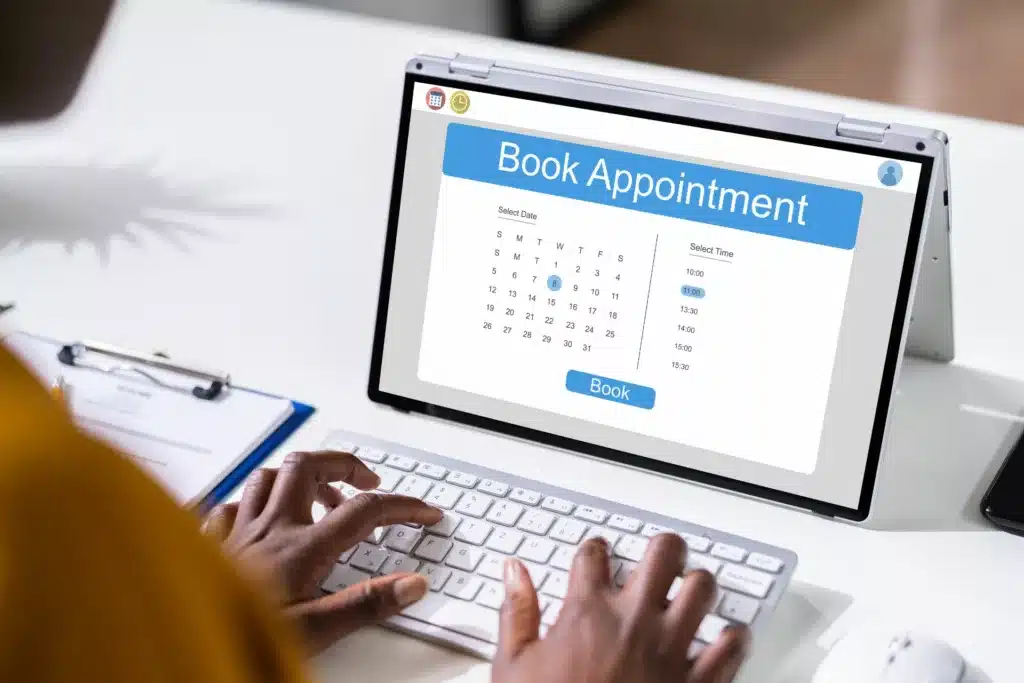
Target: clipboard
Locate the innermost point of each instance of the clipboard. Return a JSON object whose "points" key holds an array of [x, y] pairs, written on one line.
{"points": [[132, 391]]}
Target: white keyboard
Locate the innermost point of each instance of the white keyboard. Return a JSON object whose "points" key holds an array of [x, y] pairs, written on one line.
{"points": [[490, 515]]}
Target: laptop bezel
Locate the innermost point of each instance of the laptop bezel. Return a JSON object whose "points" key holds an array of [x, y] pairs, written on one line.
{"points": [[693, 109]]}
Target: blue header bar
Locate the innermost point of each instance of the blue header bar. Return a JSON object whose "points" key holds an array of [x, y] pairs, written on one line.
{"points": [[733, 199]]}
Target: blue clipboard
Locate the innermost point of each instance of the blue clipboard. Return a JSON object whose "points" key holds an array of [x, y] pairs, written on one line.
{"points": [[209, 385], [301, 413]]}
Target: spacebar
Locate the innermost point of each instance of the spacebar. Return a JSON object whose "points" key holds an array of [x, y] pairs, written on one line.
{"points": [[466, 618]]}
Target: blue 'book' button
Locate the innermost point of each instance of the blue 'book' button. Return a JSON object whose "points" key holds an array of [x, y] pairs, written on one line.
{"points": [[609, 389]]}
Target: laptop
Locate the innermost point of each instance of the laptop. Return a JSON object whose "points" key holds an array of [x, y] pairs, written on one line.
{"points": [[710, 289]]}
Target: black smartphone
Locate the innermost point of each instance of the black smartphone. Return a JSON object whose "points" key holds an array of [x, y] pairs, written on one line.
{"points": [[1003, 504]]}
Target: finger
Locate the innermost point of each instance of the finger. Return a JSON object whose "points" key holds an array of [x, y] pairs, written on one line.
{"points": [[221, 520], [520, 613], [720, 661], [590, 570], [328, 496], [254, 497], [662, 562], [302, 473], [354, 519], [331, 617], [688, 609]]}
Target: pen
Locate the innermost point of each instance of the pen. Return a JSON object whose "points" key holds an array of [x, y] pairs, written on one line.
{"points": [[60, 390]]}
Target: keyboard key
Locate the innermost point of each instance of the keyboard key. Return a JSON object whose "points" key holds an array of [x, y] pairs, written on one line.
{"points": [[338, 442], [559, 505], [745, 580], [493, 567], [536, 522], [397, 562], [495, 488], [765, 563], [738, 607], [413, 486], [342, 576], [462, 479], [631, 548], [537, 573], [465, 557], [595, 515], [624, 523], [694, 650], [443, 496], [623, 573], [551, 612], [473, 531], [612, 537], [377, 535], [544, 601], [402, 538], [433, 548], [474, 504], [710, 628], [463, 586], [652, 530], [447, 526], [728, 552], [401, 462], [536, 550], [430, 470], [568, 531], [467, 618], [491, 595], [695, 561], [557, 584], [562, 559], [389, 479], [698, 543], [369, 558], [505, 541], [435, 574], [505, 513], [371, 455], [673, 590], [525, 496], [347, 555]]}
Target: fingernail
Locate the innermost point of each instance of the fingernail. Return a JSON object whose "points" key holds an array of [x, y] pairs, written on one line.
{"points": [[410, 589], [513, 574]]}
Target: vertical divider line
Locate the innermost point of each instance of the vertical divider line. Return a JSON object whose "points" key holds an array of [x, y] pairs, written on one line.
{"points": [[647, 304]]}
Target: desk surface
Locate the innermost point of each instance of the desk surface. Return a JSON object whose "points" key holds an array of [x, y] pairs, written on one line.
{"points": [[220, 192]]}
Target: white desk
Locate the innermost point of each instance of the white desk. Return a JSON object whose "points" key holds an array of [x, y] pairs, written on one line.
{"points": [[220, 191]]}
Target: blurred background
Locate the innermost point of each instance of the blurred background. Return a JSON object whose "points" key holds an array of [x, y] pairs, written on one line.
{"points": [[959, 56]]}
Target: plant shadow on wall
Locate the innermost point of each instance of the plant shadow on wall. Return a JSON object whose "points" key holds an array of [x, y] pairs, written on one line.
{"points": [[98, 204]]}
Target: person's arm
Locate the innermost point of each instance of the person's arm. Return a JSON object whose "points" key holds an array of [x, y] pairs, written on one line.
{"points": [[103, 577]]}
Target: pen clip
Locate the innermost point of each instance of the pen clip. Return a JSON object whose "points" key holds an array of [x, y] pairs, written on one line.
{"points": [[73, 355]]}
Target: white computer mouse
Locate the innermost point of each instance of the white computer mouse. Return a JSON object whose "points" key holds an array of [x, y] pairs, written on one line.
{"points": [[885, 656]]}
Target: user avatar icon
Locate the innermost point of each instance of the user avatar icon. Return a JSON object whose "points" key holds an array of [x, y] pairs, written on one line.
{"points": [[890, 173]]}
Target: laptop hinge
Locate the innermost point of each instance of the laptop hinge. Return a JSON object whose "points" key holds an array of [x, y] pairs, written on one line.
{"points": [[860, 129], [471, 66]]}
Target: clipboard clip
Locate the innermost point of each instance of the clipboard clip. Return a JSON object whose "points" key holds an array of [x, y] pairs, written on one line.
{"points": [[213, 383]]}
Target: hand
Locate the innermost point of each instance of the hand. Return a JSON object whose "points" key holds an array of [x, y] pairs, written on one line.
{"points": [[607, 636], [271, 531]]}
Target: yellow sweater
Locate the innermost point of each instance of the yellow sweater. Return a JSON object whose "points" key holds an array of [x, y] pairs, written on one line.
{"points": [[103, 577]]}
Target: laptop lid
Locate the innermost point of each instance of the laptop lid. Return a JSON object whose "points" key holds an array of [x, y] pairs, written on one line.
{"points": [[705, 291]]}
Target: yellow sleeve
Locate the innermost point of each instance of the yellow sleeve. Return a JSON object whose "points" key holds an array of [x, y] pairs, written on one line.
{"points": [[103, 577]]}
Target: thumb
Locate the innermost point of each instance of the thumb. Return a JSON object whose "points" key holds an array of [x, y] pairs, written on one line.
{"points": [[520, 613], [324, 620]]}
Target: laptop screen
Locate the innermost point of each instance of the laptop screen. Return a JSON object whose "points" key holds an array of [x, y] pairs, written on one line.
{"points": [[702, 301]]}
